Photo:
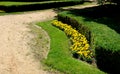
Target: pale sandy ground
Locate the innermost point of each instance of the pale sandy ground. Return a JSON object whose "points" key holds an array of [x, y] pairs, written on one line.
{"points": [[16, 56]]}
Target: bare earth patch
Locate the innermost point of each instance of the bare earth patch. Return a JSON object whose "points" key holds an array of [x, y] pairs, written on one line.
{"points": [[16, 56]]}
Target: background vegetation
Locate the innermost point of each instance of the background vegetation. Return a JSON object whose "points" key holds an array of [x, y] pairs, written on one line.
{"points": [[10, 6], [102, 2]]}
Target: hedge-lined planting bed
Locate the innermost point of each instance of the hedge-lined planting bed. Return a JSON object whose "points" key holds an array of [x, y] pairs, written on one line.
{"points": [[60, 57], [27, 6], [104, 40], [79, 42]]}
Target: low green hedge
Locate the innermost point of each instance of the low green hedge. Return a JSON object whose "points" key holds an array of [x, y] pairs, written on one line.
{"points": [[81, 28], [60, 57], [24, 6], [103, 40]]}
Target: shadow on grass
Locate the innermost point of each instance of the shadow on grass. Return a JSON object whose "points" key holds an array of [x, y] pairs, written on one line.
{"points": [[107, 60], [107, 14], [39, 6]]}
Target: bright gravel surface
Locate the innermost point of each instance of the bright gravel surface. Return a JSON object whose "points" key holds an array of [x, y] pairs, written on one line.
{"points": [[16, 56]]}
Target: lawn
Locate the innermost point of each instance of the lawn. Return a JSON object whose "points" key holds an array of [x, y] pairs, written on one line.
{"points": [[16, 3], [10, 3], [60, 56]]}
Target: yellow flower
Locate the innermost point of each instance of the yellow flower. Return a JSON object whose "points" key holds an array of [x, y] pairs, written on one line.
{"points": [[80, 52], [80, 43]]}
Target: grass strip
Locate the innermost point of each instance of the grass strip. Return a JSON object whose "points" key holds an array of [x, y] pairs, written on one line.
{"points": [[12, 3], [60, 57], [29, 6], [104, 36], [16, 3]]}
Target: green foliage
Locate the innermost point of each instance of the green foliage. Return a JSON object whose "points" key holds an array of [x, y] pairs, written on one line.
{"points": [[29, 6], [79, 42], [80, 27], [60, 57], [104, 40], [37, 0], [116, 1], [102, 2], [104, 35], [8, 3]]}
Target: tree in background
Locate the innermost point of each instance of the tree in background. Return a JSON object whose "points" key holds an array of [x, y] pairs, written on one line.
{"points": [[116, 1], [102, 2]]}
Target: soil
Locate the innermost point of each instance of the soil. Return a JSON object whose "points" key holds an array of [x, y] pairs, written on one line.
{"points": [[16, 56]]}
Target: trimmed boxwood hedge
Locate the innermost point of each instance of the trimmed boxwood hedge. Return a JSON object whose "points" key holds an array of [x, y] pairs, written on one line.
{"points": [[38, 6], [81, 28], [107, 59]]}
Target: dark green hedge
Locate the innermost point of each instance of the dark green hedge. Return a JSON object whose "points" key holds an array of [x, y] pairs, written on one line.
{"points": [[39, 6], [108, 60], [80, 27]]}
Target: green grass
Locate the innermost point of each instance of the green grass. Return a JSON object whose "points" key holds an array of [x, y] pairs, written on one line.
{"points": [[9, 3], [13, 3], [104, 36], [9, 6], [60, 57]]}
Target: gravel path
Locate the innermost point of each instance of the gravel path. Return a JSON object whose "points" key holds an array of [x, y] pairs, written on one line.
{"points": [[16, 56]]}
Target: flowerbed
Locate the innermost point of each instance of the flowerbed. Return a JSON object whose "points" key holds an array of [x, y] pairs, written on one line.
{"points": [[60, 53], [80, 44]]}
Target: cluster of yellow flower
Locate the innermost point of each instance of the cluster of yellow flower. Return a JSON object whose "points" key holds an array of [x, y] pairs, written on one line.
{"points": [[79, 42]]}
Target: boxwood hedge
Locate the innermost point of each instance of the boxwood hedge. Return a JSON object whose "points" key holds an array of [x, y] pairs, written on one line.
{"points": [[103, 40], [37, 5]]}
